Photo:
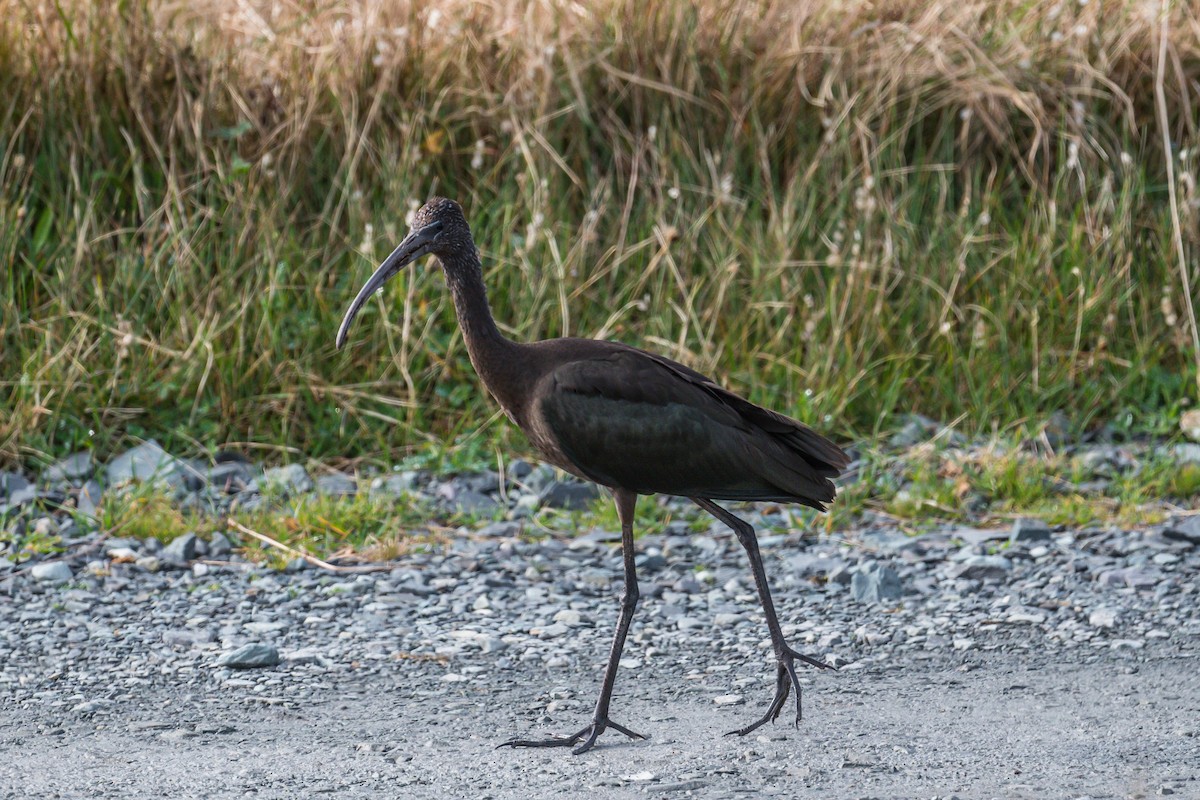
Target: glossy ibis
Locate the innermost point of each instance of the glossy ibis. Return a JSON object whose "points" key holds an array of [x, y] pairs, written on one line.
{"points": [[633, 421]]}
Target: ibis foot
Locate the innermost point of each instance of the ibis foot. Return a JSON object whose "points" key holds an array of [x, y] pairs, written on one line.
{"points": [[588, 735], [785, 682]]}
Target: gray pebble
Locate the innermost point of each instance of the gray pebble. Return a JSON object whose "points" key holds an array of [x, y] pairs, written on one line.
{"points": [[336, 484], [146, 462], [181, 550], [879, 584], [1184, 529], [56, 572], [1029, 530], [984, 568], [250, 656], [74, 467], [291, 479], [569, 495]]}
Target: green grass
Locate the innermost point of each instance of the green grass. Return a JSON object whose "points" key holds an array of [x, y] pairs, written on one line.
{"points": [[929, 485], [992, 488], [369, 525], [845, 216], [915, 490]]}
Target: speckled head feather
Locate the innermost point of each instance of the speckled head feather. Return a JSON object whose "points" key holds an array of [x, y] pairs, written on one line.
{"points": [[455, 235]]}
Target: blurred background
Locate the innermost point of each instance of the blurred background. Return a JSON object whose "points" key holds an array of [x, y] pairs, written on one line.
{"points": [[981, 212]]}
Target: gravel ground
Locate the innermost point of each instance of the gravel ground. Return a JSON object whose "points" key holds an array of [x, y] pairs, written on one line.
{"points": [[1066, 667]]}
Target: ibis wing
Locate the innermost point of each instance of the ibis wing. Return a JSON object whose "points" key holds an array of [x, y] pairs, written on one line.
{"points": [[630, 419], [825, 457]]}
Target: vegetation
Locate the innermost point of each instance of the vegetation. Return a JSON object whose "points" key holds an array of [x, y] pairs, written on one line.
{"points": [[981, 210], [922, 487]]}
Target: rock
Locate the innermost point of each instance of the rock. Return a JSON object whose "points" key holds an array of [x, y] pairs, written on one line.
{"points": [[1186, 453], [336, 484], [146, 462], [291, 479], [639, 777], [1184, 529], [11, 483], [916, 429], [807, 565], [1134, 577], [975, 536], [1026, 616], [538, 478], [729, 699], [1060, 486], [570, 495], [219, 545], [395, 485], [518, 470], [116, 541], [984, 568], [1126, 644], [680, 786], [884, 540], [651, 563], [1106, 461], [472, 502], [184, 639], [149, 563], [483, 482], [1103, 618], [230, 477], [45, 526], [841, 574], [1189, 423], [46, 498], [879, 584], [250, 656], [1029, 530], [552, 631], [857, 761], [504, 530], [305, 655], [88, 499], [91, 706], [57, 572], [74, 467], [181, 550], [571, 618]]}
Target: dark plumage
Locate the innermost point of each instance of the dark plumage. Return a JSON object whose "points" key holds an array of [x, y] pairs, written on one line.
{"points": [[633, 421]]}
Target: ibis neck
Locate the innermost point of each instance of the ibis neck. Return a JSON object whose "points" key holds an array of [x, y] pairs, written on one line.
{"points": [[491, 353]]}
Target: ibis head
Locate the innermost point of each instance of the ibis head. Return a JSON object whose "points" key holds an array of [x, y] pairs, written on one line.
{"points": [[439, 228]]}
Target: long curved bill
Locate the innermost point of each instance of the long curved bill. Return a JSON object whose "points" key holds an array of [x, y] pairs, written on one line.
{"points": [[415, 245]]}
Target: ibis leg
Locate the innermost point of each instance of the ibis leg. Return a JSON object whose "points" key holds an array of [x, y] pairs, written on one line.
{"points": [[586, 738], [785, 669]]}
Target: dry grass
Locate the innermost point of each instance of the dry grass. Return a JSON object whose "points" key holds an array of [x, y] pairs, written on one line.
{"points": [[846, 210]]}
